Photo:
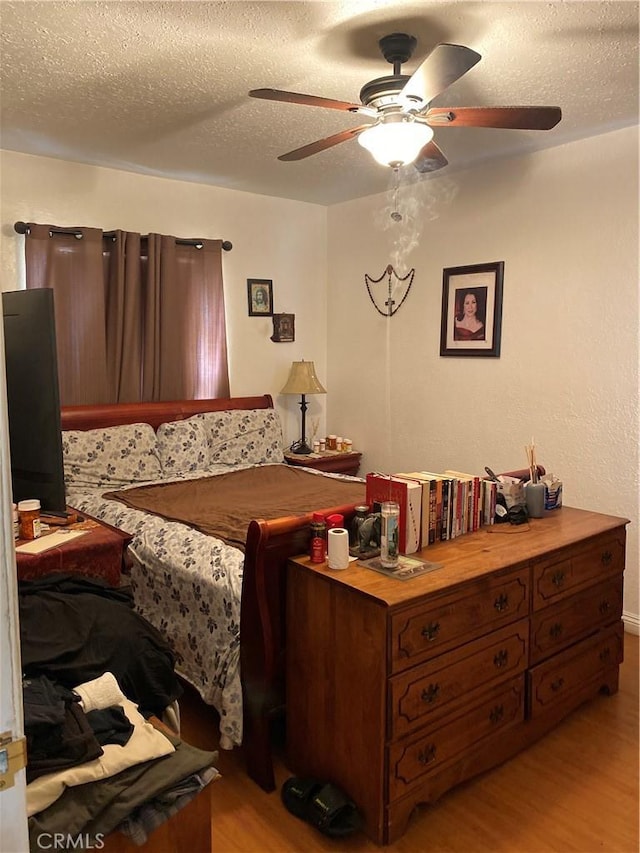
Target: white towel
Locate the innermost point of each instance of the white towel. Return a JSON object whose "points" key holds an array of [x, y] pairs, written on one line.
{"points": [[101, 692]]}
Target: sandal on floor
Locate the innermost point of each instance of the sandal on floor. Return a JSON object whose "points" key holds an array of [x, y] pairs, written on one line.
{"points": [[322, 805]]}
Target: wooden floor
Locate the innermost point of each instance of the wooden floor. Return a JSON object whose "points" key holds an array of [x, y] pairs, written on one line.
{"points": [[575, 790]]}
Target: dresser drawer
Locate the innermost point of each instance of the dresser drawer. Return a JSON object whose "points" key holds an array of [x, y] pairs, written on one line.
{"points": [[577, 567], [413, 758], [572, 676], [571, 619], [421, 633], [427, 692]]}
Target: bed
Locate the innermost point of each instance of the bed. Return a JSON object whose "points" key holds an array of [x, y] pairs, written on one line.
{"points": [[220, 605]]}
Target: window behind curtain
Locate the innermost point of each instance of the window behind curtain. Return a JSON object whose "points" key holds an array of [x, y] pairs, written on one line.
{"points": [[137, 318]]}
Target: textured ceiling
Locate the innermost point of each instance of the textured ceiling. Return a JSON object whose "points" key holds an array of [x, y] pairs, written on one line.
{"points": [[161, 88]]}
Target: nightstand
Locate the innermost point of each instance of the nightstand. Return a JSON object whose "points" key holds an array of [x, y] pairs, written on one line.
{"points": [[101, 552], [332, 462]]}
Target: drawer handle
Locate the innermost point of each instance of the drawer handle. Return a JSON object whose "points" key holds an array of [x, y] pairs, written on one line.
{"points": [[557, 579], [431, 693], [500, 659], [606, 558], [555, 630], [428, 754], [556, 685], [497, 714], [605, 654], [604, 607], [502, 602], [431, 631]]}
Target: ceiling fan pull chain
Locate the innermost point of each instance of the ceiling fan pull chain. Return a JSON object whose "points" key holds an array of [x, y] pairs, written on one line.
{"points": [[395, 214]]}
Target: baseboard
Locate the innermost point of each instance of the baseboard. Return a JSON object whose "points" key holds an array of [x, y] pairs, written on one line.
{"points": [[631, 622]]}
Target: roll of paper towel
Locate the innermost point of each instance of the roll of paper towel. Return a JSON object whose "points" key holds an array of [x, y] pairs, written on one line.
{"points": [[338, 548]]}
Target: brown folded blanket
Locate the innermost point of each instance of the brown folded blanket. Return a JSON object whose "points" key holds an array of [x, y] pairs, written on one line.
{"points": [[223, 505]]}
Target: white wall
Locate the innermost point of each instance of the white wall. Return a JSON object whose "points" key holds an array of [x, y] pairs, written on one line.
{"points": [[565, 222], [272, 238]]}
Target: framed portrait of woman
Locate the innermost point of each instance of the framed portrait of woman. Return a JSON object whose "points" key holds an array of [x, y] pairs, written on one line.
{"points": [[260, 297], [472, 310]]}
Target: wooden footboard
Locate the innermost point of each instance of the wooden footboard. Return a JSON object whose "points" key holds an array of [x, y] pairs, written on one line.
{"points": [[263, 631]]}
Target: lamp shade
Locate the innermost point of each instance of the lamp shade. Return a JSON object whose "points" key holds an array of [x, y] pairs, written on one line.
{"points": [[396, 140], [302, 379]]}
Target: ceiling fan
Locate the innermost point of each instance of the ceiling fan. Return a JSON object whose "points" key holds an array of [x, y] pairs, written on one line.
{"points": [[401, 132]]}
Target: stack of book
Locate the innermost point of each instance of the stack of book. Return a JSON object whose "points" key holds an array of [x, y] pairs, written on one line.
{"points": [[434, 507]]}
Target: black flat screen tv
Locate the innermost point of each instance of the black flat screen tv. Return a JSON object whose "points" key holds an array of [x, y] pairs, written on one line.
{"points": [[33, 398]]}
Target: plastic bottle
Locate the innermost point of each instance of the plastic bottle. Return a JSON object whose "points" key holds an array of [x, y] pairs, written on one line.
{"points": [[29, 515], [318, 545]]}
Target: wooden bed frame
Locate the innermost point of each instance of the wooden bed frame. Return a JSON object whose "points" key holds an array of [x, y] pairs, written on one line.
{"points": [[262, 610]]}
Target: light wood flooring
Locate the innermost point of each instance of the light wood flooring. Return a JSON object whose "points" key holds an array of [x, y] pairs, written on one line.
{"points": [[575, 790]]}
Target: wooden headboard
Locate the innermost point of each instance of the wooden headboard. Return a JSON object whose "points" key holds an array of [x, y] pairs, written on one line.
{"points": [[116, 414]]}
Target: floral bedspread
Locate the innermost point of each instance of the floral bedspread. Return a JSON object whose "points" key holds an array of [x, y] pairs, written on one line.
{"points": [[188, 585]]}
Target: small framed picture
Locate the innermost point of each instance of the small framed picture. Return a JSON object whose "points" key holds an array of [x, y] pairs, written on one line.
{"points": [[260, 297], [283, 328], [472, 310]]}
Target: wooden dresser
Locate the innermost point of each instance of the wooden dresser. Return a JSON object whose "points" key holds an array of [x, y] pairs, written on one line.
{"points": [[399, 690]]}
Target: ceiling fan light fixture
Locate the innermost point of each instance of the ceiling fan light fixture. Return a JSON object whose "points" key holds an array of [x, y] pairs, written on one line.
{"points": [[395, 140]]}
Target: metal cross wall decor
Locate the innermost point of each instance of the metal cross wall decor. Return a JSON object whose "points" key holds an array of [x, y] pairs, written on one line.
{"points": [[391, 305]]}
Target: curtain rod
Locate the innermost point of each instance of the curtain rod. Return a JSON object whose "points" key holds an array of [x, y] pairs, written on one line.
{"points": [[23, 228]]}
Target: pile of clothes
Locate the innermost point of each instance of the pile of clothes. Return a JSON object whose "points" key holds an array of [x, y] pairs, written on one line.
{"points": [[96, 679]]}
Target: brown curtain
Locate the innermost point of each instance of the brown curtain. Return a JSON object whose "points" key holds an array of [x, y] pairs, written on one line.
{"points": [[72, 266], [138, 318]]}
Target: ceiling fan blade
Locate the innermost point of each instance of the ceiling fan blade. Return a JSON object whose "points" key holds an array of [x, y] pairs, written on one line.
{"points": [[515, 118], [443, 66], [323, 144], [430, 158], [307, 100]]}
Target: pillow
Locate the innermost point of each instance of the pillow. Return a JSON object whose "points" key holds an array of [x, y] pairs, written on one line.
{"points": [[112, 456], [183, 446], [244, 437]]}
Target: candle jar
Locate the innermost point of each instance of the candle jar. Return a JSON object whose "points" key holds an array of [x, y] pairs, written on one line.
{"points": [[389, 538], [358, 520]]}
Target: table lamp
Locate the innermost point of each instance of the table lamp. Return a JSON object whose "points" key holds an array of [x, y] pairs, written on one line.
{"points": [[302, 380]]}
